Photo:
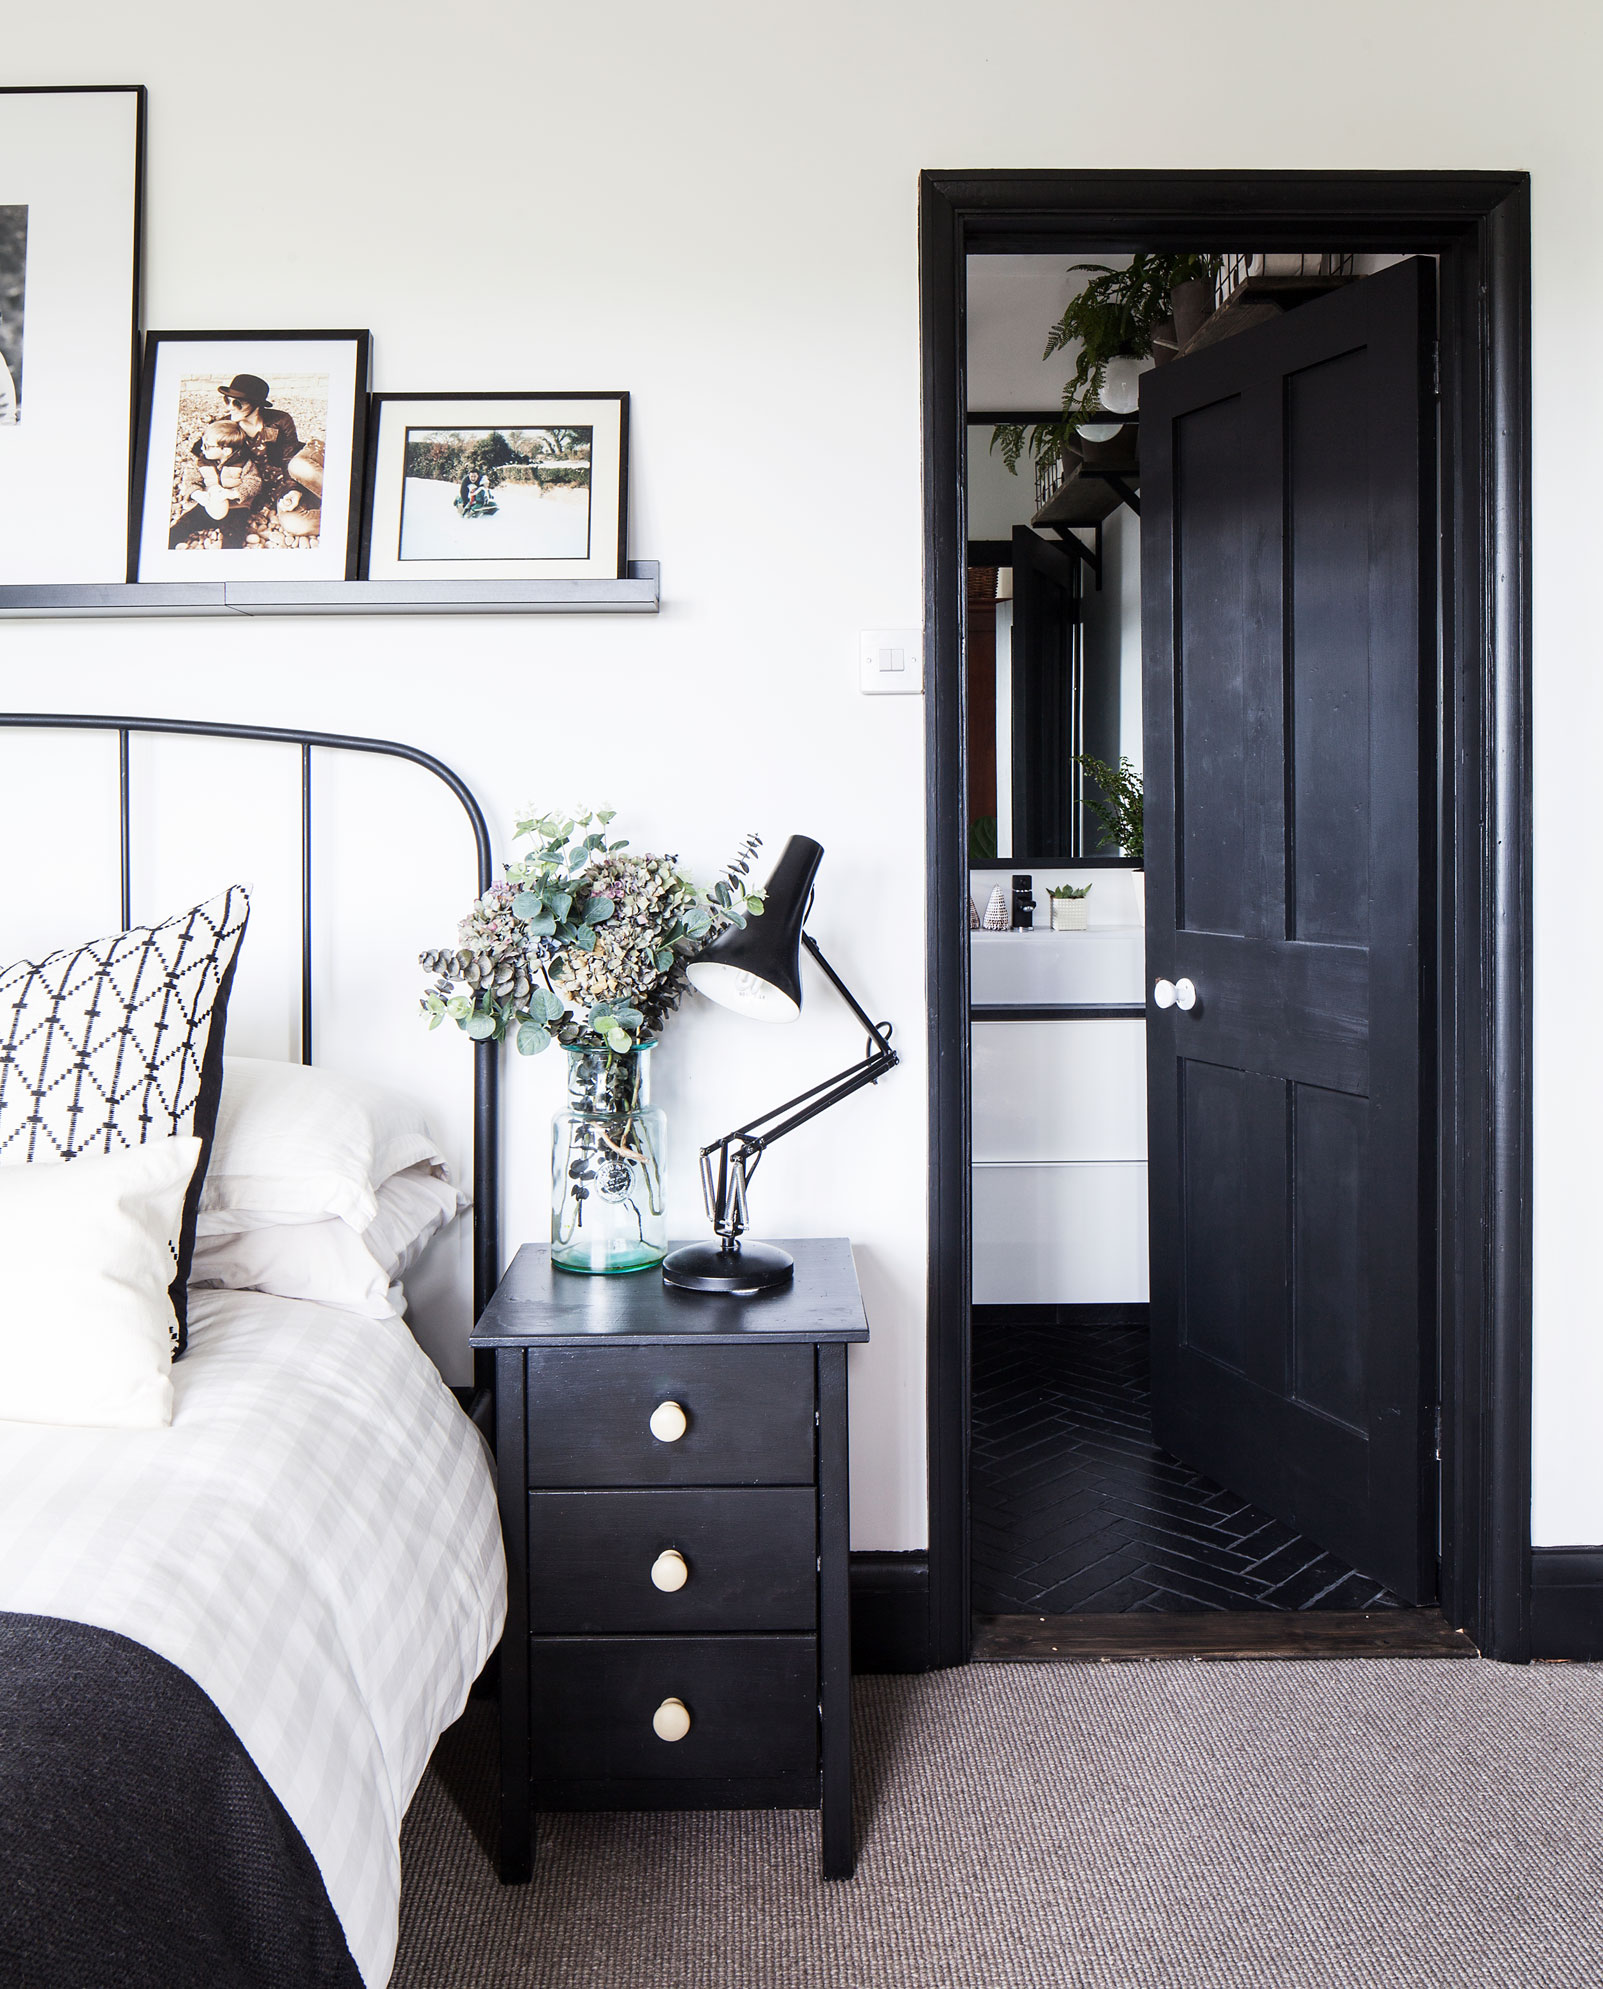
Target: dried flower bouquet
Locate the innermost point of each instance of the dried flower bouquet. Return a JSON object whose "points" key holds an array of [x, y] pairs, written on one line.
{"points": [[582, 943]]}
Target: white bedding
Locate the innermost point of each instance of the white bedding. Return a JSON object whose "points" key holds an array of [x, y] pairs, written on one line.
{"points": [[315, 1541]]}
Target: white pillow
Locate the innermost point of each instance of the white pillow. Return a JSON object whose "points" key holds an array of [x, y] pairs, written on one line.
{"points": [[87, 1249], [329, 1261], [297, 1144]]}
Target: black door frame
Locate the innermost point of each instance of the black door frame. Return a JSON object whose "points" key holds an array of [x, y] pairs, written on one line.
{"points": [[1479, 226]]}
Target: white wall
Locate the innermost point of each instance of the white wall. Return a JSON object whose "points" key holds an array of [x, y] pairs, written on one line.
{"points": [[998, 498], [714, 206]]}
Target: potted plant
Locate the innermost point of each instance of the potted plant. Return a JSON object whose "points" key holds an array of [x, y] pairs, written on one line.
{"points": [[1115, 321], [585, 944], [1120, 808], [1070, 912]]}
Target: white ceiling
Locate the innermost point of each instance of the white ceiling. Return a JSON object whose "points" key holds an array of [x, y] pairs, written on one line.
{"points": [[1013, 302]]}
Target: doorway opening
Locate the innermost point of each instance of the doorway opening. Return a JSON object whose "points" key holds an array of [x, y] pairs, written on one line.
{"points": [[1300, 998]]}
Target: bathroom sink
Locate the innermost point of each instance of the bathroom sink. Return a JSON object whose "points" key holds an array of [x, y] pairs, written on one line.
{"points": [[1105, 964]]}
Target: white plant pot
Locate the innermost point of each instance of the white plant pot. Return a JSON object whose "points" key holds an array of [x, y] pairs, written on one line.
{"points": [[1121, 392], [1071, 914]]}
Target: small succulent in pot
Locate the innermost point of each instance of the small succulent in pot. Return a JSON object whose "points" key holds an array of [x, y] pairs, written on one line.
{"points": [[583, 942], [1070, 913]]}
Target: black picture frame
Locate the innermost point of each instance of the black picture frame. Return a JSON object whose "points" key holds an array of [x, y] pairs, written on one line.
{"points": [[479, 398], [120, 463], [352, 477]]}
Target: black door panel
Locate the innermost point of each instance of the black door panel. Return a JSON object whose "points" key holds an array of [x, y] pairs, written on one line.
{"points": [[1288, 628]]}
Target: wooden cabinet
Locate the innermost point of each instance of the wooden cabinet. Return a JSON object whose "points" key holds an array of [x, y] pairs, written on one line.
{"points": [[1059, 1150], [672, 1474]]}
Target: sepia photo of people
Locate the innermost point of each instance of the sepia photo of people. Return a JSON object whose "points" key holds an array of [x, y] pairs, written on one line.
{"points": [[493, 493], [248, 461], [13, 296]]}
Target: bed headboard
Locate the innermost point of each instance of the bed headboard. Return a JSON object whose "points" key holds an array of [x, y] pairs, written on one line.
{"points": [[486, 1067]]}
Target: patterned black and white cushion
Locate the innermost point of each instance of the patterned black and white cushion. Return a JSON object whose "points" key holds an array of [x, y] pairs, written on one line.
{"points": [[121, 1041]]}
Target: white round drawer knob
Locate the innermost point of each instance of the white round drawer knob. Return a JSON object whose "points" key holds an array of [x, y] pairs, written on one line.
{"points": [[1163, 994], [668, 1423], [671, 1720], [669, 1571]]}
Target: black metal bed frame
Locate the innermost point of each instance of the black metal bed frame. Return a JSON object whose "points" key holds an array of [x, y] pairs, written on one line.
{"points": [[486, 1066]]}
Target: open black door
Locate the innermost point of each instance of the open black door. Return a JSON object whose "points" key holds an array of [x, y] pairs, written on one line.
{"points": [[1289, 640]]}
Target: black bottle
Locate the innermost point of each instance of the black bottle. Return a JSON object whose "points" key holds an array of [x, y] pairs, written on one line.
{"points": [[1023, 905]]}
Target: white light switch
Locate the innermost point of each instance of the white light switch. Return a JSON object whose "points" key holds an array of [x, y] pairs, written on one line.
{"points": [[891, 659]]}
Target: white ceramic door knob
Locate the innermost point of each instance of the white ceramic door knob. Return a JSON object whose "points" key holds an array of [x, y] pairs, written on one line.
{"points": [[1163, 994], [668, 1422], [671, 1720], [670, 1571], [1185, 994]]}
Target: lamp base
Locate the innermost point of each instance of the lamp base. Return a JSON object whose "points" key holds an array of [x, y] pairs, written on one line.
{"points": [[742, 1270]]}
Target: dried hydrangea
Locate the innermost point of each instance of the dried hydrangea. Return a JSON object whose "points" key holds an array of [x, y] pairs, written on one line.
{"points": [[582, 944]]}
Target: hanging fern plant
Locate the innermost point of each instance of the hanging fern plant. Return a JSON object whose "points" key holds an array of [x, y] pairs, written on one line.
{"points": [[1113, 317]]}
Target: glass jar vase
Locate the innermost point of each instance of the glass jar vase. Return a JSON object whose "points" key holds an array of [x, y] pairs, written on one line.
{"points": [[607, 1208]]}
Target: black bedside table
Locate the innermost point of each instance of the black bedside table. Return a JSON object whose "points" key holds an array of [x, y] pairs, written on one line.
{"points": [[672, 1475]]}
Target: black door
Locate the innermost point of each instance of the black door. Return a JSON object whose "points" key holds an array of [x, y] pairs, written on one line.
{"points": [[1289, 638], [1046, 699]]}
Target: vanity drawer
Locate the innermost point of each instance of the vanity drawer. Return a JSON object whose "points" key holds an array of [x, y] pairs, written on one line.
{"points": [[751, 1555], [752, 1702], [749, 1415]]}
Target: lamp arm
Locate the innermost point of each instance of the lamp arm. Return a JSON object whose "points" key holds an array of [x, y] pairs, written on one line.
{"points": [[738, 1152], [846, 995]]}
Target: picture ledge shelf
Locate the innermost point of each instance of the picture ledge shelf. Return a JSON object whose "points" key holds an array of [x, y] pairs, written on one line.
{"points": [[640, 594]]}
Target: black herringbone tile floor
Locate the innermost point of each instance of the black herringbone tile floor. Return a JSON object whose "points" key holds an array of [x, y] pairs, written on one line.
{"points": [[1075, 1508]]}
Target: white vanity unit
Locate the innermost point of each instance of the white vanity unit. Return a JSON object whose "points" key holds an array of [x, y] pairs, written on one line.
{"points": [[1060, 1136]]}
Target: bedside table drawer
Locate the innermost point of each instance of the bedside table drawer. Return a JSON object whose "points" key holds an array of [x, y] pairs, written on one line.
{"points": [[752, 1706], [748, 1415], [751, 1560]]}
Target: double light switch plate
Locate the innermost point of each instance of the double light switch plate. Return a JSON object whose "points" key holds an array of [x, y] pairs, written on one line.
{"points": [[891, 660]]}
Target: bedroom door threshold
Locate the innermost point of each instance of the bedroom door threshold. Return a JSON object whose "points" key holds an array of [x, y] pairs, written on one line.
{"points": [[1139, 1637]]}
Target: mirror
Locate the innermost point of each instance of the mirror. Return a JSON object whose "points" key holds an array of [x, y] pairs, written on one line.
{"points": [[1054, 671]]}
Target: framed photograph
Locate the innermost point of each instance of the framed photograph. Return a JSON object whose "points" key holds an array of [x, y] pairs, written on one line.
{"points": [[71, 166], [250, 456], [498, 486]]}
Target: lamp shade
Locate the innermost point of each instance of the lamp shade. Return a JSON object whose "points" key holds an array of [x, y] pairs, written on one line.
{"points": [[755, 969]]}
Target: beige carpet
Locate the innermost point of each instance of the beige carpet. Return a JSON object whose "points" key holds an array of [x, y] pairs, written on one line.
{"points": [[1143, 1826]]}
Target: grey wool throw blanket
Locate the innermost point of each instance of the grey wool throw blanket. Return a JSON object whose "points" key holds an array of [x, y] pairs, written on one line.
{"points": [[139, 1845]]}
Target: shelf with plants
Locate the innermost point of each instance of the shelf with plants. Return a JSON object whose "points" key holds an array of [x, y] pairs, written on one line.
{"points": [[640, 593]]}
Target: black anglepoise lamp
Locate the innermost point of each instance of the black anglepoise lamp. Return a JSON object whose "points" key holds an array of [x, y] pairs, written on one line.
{"points": [[755, 970]]}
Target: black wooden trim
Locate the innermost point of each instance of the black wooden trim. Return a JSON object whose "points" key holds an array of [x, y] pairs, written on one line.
{"points": [[890, 1612], [1479, 225], [1063, 1011], [1053, 863], [837, 1848], [1031, 417], [755, 1792], [1567, 1602], [941, 232], [1070, 1317], [1140, 1636], [516, 1850]]}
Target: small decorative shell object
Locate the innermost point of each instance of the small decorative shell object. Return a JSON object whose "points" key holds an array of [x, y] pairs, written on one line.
{"points": [[973, 916], [996, 913]]}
